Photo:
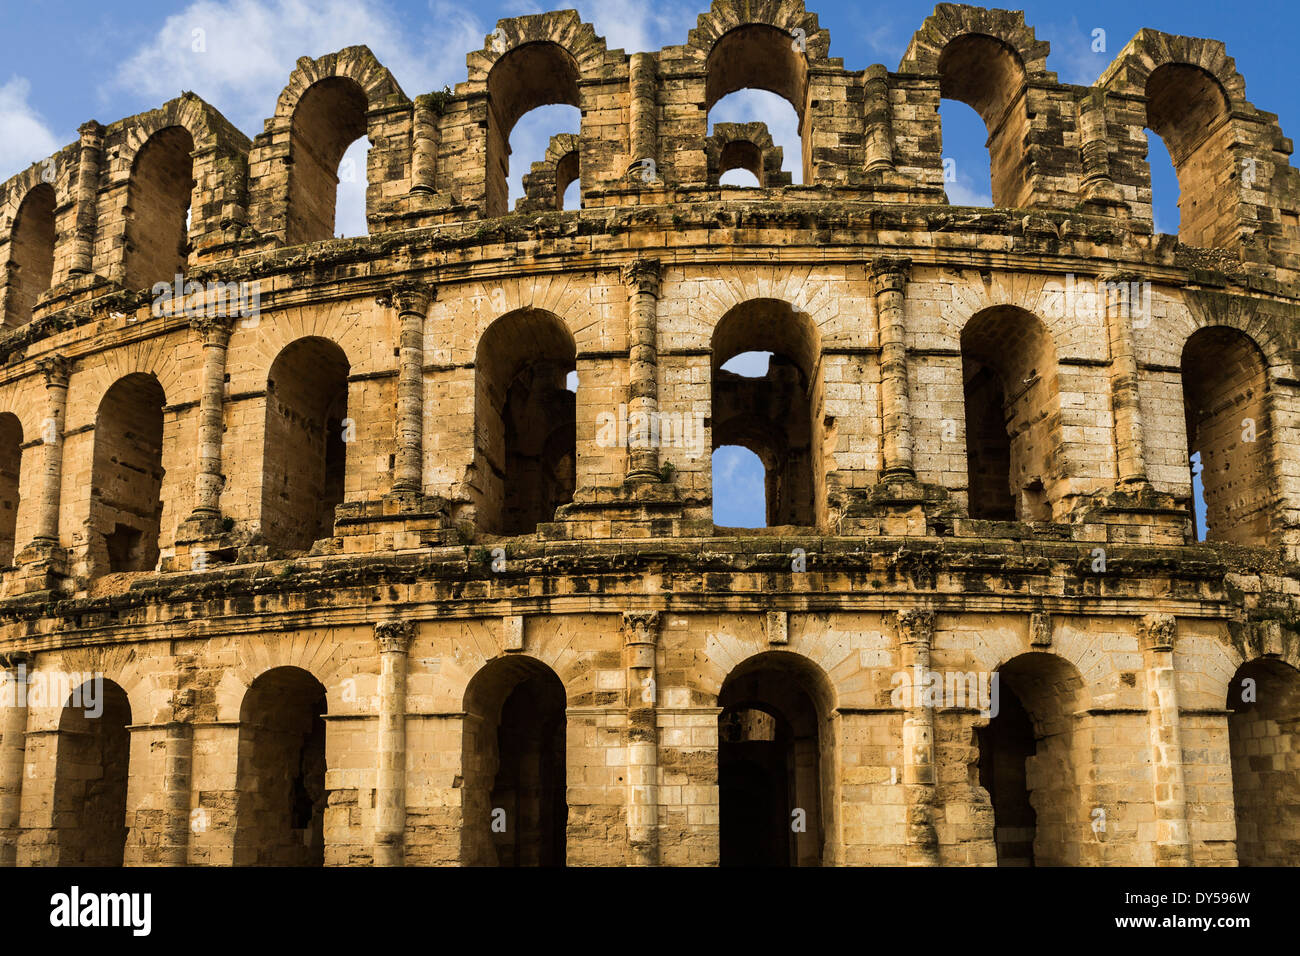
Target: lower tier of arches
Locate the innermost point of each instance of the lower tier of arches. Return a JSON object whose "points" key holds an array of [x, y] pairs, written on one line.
{"points": [[780, 739]]}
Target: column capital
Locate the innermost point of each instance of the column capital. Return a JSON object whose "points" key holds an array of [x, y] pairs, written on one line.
{"points": [[394, 637], [1156, 632], [915, 626], [889, 273], [213, 329], [409, 297], [642, 275], [56, 370], [91, 132], [640, 627]]}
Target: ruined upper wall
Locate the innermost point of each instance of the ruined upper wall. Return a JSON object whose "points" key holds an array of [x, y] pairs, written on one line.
{"points": [[103, 211]]}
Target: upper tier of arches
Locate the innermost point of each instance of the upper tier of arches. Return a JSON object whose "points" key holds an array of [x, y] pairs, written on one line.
{"points": [[179, 187]]}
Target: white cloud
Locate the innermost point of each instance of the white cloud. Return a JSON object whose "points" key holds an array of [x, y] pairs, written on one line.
{"points": [[238, 54], [960, 194], [24, 137]]}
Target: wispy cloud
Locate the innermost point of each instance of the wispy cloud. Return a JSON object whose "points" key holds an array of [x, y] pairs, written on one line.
{"points": [[238, 54], [1079, 55], [24, 135]]}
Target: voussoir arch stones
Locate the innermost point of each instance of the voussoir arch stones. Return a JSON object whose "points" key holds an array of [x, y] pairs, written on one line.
{"points": [[564, 28], [1151, 49], [952, 20]]}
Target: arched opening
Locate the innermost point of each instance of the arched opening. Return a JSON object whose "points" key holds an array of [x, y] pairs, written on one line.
{"points": [[772, 72], [513, 761], [741, 163], [157, 232], [988, 76], [967, 174], [774, 762], [739, 488], [1012, 423], [1189, 111], [11, 460], [1027, 757], [1225, 401], [90, 775], [739, 158], [326, 178], [778, 416], [529, 76], [568, 190], [1164, 187], [1264, 743], [280, 807], [126, 477], [526, 421], [31, 255], [304, 460]]}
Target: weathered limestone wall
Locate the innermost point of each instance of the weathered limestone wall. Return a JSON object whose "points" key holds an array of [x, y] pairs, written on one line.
{"points": [[366, 583]]}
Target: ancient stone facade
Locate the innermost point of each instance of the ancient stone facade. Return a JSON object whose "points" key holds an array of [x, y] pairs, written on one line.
{"points": [[354, 578]]}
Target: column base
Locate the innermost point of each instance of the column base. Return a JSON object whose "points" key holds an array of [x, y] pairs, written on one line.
{"points": [[41, 566], [898, 506], [635, 509]]}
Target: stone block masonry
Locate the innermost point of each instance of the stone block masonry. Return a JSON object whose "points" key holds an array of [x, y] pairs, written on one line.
{"points": [[354, 575]]}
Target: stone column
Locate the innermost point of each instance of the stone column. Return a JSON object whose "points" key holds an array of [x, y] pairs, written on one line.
{"points": [[178, 744], [394, 639], [889, 277], [1156, 638], [915, 638], [1097, 186], [412, 304], [86, 198], [878, 120], [1117, 301], [640, 639], [16, 667], [56, 370], [643, 116], [642, 280], [208, 479], [425, 141]]}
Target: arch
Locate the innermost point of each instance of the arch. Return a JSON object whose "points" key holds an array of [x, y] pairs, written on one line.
{"points": [[158, 199], [777, 416], [1012, 415], [1226, 404], [1264, 745], [304, 454], [332, 100], [91, 773], [539, 73], [1189, 110], [126, 476], [548, 180], [281, 774], [1028, 755], [747, 146], [525, 421], [31, 254], [989, 76], [1190, 87], [328, 118], [775, 758], [514, 766], [11, 459]]}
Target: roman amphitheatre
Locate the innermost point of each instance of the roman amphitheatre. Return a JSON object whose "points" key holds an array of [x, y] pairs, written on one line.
{"points": [[361, 580]]}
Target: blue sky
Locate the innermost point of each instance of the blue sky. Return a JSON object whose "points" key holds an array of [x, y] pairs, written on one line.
{"points": [[66, 61]]}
